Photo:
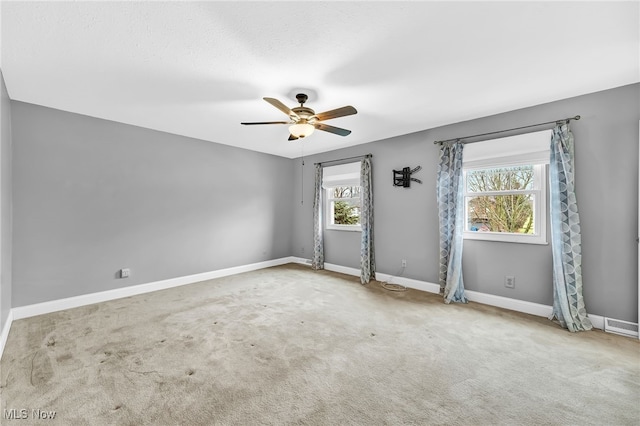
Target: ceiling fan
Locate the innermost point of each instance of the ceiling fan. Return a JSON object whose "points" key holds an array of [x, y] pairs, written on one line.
{"points": [[303, 121]]}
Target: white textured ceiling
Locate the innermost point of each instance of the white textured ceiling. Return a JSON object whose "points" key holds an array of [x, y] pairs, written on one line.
{"points": [[200, 68]]}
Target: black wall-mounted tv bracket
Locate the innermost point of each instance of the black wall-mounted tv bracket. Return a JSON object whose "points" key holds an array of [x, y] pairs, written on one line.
{"points": [[403, 177]]}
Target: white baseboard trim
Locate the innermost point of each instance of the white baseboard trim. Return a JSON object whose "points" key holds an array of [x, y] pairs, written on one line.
{"points": [[523, 306], [5, 332], [508, 303], [597, 321], [301, 260], [342, 269], [391, 279], [408, 282], [103, 296]]}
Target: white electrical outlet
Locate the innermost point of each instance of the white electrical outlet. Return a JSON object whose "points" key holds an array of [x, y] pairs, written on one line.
{"points": [[509, 281], [125, 272], [404, 263]]}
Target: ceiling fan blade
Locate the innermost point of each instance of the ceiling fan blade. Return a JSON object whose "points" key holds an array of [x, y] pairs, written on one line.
{"points": [[282, 107], [331, 129], [335, 113], [265, 122], [293, 138]]}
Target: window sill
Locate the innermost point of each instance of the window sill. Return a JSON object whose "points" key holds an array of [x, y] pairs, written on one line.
{"points": [[349, 228], [505, 238]]}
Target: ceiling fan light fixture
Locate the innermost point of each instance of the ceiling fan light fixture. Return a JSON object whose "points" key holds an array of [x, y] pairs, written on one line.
{"points": [[303, 120], [301, 130]]}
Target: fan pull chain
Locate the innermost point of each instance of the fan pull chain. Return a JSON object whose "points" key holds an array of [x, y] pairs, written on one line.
{"points": [[302, 175]]}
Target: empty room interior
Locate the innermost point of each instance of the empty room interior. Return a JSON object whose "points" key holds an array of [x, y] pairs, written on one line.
{"points": [[319, 213]]}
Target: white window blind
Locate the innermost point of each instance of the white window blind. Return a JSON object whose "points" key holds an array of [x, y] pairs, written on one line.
{"points": [[341, 175], [529, 148]]}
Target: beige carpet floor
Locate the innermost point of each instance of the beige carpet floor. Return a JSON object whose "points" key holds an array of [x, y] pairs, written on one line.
{"points": [[288, 345]]}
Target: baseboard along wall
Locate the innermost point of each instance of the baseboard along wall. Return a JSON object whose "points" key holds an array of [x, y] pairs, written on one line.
{"points": [[103, 296], [4, 335], [523, 306]]}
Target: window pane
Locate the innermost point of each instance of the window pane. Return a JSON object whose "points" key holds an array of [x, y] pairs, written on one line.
{"points": [[346, 192], [502, 179], [502, 213], [346, 212]]}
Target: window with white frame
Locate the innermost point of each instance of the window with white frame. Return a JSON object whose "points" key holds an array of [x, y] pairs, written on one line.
{"points": [[505, 189], [342, 196]]}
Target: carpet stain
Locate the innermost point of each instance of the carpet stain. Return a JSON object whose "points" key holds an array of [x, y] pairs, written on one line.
{"points": [[188, 341], [252, 316], [41, 369], [64, 357]]}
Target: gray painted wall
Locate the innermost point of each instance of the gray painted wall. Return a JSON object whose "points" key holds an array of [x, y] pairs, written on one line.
{"points": [[406, 220], [5, 203], [92, 196]]}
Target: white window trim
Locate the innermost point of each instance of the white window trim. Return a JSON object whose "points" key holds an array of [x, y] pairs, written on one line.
{"points": [[329, 212], [350, 228], [539, 210]]}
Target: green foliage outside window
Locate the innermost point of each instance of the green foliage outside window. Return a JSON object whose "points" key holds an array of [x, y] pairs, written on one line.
{"points": [[345, 214], [346, 211]]}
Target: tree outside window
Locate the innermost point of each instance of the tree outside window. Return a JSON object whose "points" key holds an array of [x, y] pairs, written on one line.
{"points": [[501, 200], [344, 206]]}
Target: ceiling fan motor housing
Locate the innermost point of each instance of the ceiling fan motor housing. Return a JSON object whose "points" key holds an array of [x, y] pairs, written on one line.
{"points": [[304, 112]]}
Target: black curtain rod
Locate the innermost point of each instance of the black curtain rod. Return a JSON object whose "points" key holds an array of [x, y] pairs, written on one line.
{"points": [[345, 159], [577, 117]]}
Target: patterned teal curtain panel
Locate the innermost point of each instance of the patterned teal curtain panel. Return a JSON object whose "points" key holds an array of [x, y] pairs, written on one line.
{"points": [[367, 255], [566, 242], [318, 238], [451, 217]]}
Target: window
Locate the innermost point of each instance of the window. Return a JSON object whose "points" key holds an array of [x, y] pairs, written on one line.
{"points": [[505, 204], [343, 207], [505, 189], [342, 197]]}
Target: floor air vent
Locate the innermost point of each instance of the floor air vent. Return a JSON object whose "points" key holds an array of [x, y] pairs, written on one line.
{"points": [[624, 328]]}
